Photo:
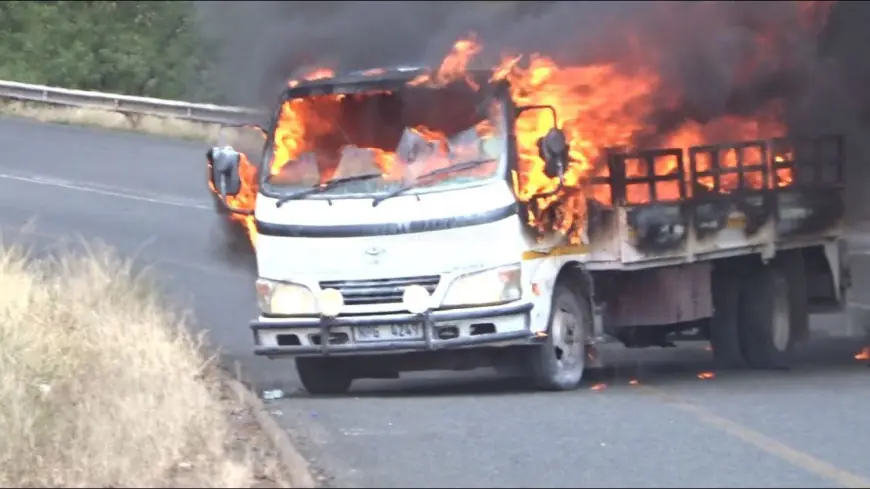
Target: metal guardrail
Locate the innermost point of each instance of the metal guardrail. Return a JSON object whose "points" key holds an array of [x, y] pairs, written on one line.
{"points": [[127, 104]]}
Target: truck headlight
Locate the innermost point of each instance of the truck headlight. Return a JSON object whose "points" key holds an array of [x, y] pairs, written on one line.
{"points": [[492, 286], [285, 298]]}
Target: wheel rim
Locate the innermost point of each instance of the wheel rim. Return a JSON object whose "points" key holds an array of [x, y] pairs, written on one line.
{"points": [[568, 344], [781, 324]]}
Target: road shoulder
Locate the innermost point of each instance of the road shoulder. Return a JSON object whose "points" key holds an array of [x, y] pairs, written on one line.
{"points": [[294, 468]]}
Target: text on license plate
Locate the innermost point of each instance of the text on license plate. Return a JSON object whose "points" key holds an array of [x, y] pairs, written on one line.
{"points": [[391, 332]]}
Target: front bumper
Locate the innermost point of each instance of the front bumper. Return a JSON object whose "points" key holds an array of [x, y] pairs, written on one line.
{"points": [[514, 316]]}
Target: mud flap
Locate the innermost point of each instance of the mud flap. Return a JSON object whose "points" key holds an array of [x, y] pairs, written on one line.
{"points": [[724, 334]]}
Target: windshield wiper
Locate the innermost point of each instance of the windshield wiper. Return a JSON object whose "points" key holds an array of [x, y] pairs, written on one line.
{"points": [[323, 187], [441, 171]]}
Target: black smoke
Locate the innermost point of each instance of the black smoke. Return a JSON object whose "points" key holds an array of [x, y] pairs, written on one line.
{"points": [[263, 44]]}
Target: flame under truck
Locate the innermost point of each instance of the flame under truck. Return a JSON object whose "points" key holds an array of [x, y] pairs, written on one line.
{"points": [[362, 276]]}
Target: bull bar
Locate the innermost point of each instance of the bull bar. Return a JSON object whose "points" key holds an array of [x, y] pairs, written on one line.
{"points": [[427, 319]]}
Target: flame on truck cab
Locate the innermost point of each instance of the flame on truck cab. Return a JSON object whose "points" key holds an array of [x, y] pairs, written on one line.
{"points": [[383, 125]]}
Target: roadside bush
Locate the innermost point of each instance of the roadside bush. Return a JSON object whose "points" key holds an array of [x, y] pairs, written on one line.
{"points": [[101, 385]]}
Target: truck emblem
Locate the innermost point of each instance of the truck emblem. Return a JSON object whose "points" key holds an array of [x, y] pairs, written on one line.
{"points": [[374, 254], [374, 251]]}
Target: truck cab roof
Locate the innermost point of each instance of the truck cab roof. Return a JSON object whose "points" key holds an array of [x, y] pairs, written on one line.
{"points": [[363, 80]]}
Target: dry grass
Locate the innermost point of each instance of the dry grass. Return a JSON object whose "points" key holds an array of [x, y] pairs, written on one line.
{"points": [[101, 385], [161, 126]]}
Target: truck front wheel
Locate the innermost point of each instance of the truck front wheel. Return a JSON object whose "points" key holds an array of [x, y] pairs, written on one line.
{"points": [[559, 362], [323, 376]]}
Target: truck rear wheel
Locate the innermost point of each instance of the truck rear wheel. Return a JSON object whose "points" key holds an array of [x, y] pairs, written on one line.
{"points": [[773, 306], [321, 375], [559, 362]]}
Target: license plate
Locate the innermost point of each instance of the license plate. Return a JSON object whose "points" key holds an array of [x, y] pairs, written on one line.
{"points": [[391, 332]]}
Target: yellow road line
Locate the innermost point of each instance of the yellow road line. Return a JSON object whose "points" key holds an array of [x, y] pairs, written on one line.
{"points": [[795, 457]]}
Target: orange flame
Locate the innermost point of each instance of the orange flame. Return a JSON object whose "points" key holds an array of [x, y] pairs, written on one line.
{"points": [[246, 198], [864, 354], [315, 74], [454, 66], [599, 105]]}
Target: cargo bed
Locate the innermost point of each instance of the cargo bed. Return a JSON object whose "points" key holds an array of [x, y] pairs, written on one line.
{"points": [[671, 206]]}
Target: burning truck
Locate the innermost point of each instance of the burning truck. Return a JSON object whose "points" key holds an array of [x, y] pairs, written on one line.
{"points": [[451, 218]]}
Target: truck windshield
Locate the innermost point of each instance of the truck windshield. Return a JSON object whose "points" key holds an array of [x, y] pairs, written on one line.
{"points": [[400, 135]]}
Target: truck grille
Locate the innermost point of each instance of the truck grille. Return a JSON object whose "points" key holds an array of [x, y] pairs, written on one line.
{"points": [[379, 291]]}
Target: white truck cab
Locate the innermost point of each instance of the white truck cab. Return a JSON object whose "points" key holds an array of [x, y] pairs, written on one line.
{"points": [[370, 266]]}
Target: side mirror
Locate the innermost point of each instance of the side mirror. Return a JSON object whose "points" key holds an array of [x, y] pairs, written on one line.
{"points": [[223, 165], [553, 149]]}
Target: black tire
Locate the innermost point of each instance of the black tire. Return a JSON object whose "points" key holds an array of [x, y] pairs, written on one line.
{"points": [[558, 363], [773, 306], [724, 331], [323, 376]]}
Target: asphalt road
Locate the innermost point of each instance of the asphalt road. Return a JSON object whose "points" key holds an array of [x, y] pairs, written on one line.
{"points": [[653, 424]]}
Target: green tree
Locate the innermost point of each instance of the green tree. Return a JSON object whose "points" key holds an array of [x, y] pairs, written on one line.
{"points": [[149, 48]]}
